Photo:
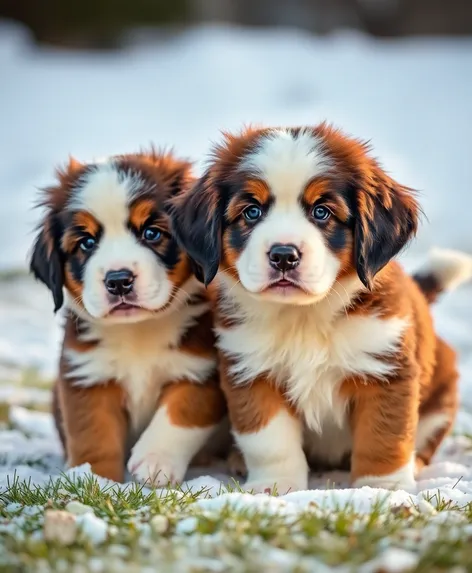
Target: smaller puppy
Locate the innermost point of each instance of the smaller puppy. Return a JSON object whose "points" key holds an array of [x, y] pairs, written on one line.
{"points": [[138, 365], [328, 348]]}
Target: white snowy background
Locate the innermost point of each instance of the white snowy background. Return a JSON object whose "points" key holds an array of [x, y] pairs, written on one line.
{"points": [[411, 98]]}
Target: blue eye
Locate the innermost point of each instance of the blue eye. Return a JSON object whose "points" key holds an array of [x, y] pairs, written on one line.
{"points": [[321, 213], [151, 234], [252, 213], [87, 243]]}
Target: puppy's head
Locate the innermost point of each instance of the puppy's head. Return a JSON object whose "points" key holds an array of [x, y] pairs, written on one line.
{"points": [[106, 237], [288, 212]]}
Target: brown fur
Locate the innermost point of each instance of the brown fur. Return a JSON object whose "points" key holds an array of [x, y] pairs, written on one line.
{"points": [[251, 407]]}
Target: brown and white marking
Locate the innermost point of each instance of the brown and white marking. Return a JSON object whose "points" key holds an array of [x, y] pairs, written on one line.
{"points": [[327, 348], [137, 381]]}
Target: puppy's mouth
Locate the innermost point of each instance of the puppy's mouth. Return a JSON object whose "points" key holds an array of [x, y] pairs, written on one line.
{"points": [[126, 309], [284, 285]]}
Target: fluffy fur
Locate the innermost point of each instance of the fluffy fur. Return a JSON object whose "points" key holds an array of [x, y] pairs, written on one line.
{"points": [[328, 350], [138, 377]]}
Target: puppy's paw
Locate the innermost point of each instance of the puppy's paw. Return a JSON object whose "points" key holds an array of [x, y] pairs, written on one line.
{"points": [[402, 479], [276, 486], [156, 468]]}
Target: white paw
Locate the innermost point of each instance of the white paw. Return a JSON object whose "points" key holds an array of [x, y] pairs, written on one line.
{"points": [[156, 468], [277, 486], [401, 479], [163, 452]]}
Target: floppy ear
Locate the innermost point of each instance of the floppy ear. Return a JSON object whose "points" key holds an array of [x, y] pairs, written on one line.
{"points": [[47, 262], [197, 219], [387, 218]]}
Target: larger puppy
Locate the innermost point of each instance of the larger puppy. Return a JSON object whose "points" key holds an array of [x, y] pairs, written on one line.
{"points": [[328, 347], [138, 365]]}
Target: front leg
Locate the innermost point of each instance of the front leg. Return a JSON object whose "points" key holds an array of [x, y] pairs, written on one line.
{"points": [[269, 435], [384, 419], [187, 414], [95, 425]]}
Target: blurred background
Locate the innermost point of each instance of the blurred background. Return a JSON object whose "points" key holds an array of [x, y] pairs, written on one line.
{"points": [[103, 23], [99, 77]]}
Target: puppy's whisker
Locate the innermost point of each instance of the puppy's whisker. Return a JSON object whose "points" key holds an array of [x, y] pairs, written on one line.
{"points": [[178, 295], [77, 299], [343, 306], [343, 287], [238, 282], [343, 302]]}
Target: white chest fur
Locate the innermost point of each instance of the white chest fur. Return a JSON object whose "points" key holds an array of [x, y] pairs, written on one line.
{"points": [[309, 350], [142, 357]]}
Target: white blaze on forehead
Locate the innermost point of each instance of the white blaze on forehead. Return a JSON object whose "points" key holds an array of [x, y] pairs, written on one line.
{"points": [[287, 162], [106, 193]]}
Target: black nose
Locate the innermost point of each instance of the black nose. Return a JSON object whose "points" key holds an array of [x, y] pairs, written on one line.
{"points": [[119, 282], [284, 257]]}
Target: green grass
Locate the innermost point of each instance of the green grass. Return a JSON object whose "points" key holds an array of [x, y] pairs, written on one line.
{"points": [[4, 411], [31, 378], [170, 531]]}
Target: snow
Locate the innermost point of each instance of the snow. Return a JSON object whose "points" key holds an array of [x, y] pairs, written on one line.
{"points": [[31, 422], [392, 560], [186, 526], [13, 395], [78, 508], [411, 98], [93, 528]]}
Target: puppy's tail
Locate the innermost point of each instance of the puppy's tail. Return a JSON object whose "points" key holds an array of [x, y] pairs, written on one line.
{"points": [[443, 271]]}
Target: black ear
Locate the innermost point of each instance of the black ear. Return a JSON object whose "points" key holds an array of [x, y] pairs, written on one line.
{"points": [[47, 262], [387, 218], [197, 271], [197, 219]]}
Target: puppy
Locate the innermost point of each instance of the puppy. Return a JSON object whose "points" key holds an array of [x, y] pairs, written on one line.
{"points": [[328, 351], [138, 366]]}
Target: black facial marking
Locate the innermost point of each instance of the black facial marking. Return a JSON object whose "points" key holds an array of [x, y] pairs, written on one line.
{"points": [[76, 266], [171, 255], [237, 237], [337, 237]]}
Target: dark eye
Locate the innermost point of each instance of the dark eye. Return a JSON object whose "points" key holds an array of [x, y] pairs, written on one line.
{"points": [[87, 243], [151, 234], [321, 213], [252, 213]]}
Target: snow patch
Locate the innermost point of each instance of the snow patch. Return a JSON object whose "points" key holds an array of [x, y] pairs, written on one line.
{"points": [[93, 528]]}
